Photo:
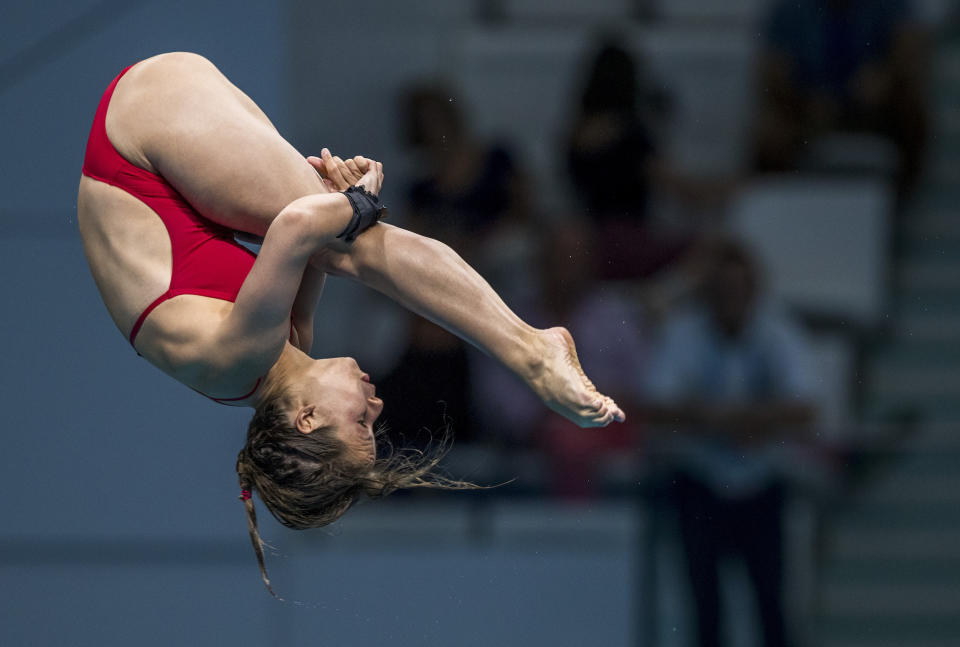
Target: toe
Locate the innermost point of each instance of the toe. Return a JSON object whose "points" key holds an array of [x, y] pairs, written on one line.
{"points": [[618, 413], [606, 419], [604, 414], [610, 412]]}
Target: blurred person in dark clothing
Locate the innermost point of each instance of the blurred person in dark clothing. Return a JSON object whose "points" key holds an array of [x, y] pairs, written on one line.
{"points": [[842, 65], [430, 381], [614, 164], [731, 382], [611, 142], [468, 187]]}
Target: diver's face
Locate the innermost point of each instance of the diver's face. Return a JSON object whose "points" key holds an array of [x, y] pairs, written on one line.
{"points": [[339, 394]]}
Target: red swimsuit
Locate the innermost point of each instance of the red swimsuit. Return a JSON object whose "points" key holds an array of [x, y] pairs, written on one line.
{"points": [[206, 259]]}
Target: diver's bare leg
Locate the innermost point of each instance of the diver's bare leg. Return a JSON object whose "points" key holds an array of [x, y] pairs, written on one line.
{"points": [[429, 278], [177, 115]]}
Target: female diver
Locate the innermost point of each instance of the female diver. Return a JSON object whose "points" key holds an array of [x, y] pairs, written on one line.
{"points": [[178, 160]]}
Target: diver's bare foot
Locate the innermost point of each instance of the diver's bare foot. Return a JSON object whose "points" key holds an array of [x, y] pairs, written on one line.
{"points": [[560, 382]]}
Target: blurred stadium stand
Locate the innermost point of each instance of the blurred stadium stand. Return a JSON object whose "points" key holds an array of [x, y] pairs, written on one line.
{"points": [[825, 243], [521, 81], [892, 560]]}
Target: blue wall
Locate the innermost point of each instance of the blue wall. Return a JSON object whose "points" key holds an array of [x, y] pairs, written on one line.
{"points": [[46, 115]]}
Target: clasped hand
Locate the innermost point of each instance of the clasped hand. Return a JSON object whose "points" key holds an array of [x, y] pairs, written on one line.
{"points": [[338, 174]]}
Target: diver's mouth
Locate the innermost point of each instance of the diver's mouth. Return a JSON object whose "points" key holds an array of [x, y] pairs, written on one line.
{"points": [[365, 377]]}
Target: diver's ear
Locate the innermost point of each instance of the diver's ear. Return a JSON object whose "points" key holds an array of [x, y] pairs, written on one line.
{"points": [[306, 419]]}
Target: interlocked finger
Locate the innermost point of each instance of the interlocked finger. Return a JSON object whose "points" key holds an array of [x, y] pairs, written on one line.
{"points": [[334, 170], [354, 169]]}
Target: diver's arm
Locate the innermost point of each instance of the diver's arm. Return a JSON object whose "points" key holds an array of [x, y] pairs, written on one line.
{"points": [[305, 305], [259, 323], [429, 278]]}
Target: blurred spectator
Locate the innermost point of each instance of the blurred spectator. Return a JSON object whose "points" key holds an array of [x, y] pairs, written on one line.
{"points": [[611, 145], [730, 383], [614, 162], [611, 350], [428, 387], [467, 187], [471, 194], [842, 66], [468, 195]]}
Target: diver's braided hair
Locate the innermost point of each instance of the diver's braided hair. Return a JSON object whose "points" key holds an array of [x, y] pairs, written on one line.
{"points": [[309, 480]]}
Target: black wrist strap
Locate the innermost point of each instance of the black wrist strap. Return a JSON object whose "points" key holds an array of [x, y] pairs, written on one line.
{"points": [[367, 210]]}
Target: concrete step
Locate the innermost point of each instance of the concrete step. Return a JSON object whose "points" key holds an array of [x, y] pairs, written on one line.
{"points": [[894, 614], [944, 411], [947, 172], [872, 602], [928, 303], [850, 545], [880, 642], [921, 246], [928, 326], [934, 202], [918, 353], [941, 409], [875, 518], [902, 570], [889, 631], [946, 119], [931, 196], [915, 488], [918, 457], [919, 493], [930, 218], [928, 447], [935, 437], [947, 68], [931, 273], [877, 407], [920, 385], [943, 147], [875, 642]]}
